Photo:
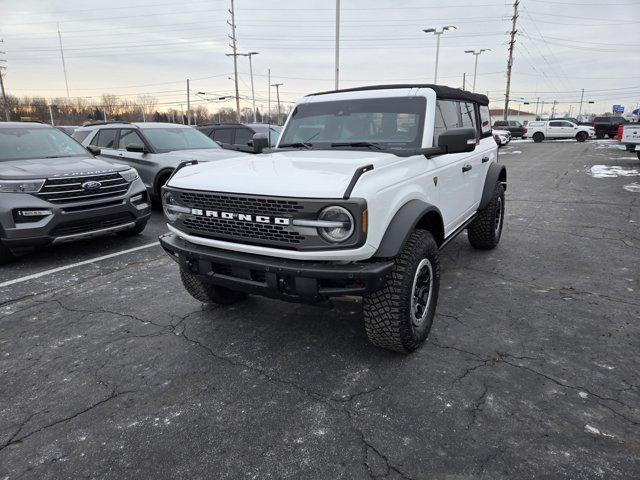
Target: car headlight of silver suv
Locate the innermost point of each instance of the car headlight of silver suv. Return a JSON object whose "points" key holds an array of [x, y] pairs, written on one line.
{"points": [[339, 224], [20, 186], [129, 175], [171, 208]]}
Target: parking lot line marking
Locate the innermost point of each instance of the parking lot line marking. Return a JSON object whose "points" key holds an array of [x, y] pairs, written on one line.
{"points": [[73, 265]]}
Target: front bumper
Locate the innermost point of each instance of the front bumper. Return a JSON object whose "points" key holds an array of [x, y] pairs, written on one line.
{"points": [[71, 221], [292, 280]]}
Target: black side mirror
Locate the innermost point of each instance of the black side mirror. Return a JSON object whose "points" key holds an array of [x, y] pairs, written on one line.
{"points": [[458, 140], [260, 142], [94, 150], [136, 147]]}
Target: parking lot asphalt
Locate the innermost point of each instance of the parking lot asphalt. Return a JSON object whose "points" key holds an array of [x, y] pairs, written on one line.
{"points": [[110, 370]]}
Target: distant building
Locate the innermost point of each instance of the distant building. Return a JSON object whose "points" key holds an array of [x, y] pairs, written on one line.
{"points": [[513, 114]]}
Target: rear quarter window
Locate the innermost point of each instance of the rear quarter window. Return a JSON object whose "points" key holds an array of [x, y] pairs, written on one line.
{"points": [[80, 136]]}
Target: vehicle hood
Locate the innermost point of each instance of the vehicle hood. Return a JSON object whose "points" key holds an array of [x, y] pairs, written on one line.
{"points": [[501, 132], [311, 174], [56, 167], [204, 155]]}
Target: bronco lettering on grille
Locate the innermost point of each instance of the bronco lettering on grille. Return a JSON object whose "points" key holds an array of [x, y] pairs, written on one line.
{"points": [[241, 217]]}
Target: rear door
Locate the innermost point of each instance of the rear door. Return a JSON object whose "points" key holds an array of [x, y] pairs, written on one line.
{"points": [[556, 129], [243, 140], [224, 137]]}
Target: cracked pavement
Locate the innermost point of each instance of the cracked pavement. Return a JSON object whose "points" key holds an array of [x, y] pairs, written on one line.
{"points": [[111, 370]]}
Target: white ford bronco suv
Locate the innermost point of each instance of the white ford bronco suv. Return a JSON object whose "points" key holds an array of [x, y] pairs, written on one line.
{"points": [[363, 188]]}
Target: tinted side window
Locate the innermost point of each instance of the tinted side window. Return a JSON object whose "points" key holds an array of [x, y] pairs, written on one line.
{"points": [[468, 111], [447, 117], [105, 138], [485, 119], [556, 124], [223, 135], [129, 137], [243, 136], [80, 136], [501, 123]]}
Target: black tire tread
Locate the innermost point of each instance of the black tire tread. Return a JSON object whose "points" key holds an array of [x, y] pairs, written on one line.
{"points": [[538, 137], [5, 255], [386, 311], [481, 231], [208, 293]]}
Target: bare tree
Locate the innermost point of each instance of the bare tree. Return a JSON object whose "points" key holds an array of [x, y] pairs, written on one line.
{"points": [[147, 105]]}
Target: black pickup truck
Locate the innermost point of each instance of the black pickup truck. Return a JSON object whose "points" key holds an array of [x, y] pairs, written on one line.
{"points": [[515, 127], [608, 126]]}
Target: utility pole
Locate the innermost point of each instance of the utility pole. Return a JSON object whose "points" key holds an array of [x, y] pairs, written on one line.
{"points": [[464, 79], [475, 69], [537, 105], [269, 95], [4, 96], [64, 65], [512, 44], [337, 44], [188, 104], [253, 92], [235, 58], [438, 33], [278, 85], [581, 99], [50, 113], [553, 110], [542, 109]]}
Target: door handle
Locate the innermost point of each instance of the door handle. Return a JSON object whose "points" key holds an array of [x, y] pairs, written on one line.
{"points": [[466, 168], [485, 159]]}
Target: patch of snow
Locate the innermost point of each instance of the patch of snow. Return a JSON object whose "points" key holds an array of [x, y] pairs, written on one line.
{"points": [[592, 430], [583, 394], [632, 187], [606, 171], [513, 152]]}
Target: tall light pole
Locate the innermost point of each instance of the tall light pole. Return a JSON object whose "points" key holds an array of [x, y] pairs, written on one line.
{"points": [[337, 44], [64, 65], [233, 46], [4, 96], [475, 68], [438, 33], [253, 92]]}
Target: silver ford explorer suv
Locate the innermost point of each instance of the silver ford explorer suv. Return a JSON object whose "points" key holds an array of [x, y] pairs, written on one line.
{"points": [[53, 190], [154, 149]]}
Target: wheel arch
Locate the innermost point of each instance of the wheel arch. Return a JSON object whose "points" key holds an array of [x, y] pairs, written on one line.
{"points": [[495, 174], [415, 214], [157, 186]]}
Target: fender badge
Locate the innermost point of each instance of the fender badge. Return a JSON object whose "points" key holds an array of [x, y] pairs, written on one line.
{"points": [[435, 181]]}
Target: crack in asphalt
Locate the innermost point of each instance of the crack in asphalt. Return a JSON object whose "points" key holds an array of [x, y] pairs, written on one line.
{"points": [[477, 407], [15, 439]]}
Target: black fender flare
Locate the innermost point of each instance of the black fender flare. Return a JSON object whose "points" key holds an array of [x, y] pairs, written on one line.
{"points": [[157, 188], [496, 173], [413, 214]]}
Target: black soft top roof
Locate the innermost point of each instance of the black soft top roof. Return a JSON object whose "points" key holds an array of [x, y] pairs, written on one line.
{"points": [[442, 91]]}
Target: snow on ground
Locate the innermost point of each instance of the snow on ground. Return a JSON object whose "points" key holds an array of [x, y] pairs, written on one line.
{"points": [[606, 171], [632, 187]]}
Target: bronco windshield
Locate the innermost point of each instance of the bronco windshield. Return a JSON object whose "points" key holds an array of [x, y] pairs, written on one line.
{"points": [[172, 139], [24, 143], [381, 123]]}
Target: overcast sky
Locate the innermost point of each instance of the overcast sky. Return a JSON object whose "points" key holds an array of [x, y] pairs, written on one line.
{"points": [[136, 47]]}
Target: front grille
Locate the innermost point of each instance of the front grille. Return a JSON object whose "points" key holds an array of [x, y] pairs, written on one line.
{"points": [[214, 227], [237, 203], [106, 221], [69, 189]]}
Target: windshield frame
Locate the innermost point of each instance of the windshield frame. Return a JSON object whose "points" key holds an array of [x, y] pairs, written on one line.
{"points": [[356, 106], [63, 137], [156, 149]]}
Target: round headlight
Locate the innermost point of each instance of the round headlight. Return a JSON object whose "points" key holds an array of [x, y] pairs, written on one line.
{"points": [[169, 203], [338, 215]]}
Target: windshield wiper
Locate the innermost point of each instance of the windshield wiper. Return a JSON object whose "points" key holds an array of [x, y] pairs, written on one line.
{"points": [[375, 146], [296, 145]]}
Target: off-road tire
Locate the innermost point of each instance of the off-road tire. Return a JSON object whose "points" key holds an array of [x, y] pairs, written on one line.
{"points": [[538, 137], [5, 255], [209, 293], [388, 317], [638, 154], [483, 232], [581, 136], [132, 232]]}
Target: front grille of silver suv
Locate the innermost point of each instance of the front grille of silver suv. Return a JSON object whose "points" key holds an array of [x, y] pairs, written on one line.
{"points": [[70, 189]]}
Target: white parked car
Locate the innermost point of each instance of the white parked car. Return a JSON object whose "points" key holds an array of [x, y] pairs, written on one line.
{"points": [[502, 137], [630, 137], [364, 188], [557, 129]]}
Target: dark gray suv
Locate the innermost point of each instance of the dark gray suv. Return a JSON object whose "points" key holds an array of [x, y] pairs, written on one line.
{"points": [[52, 190]]}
